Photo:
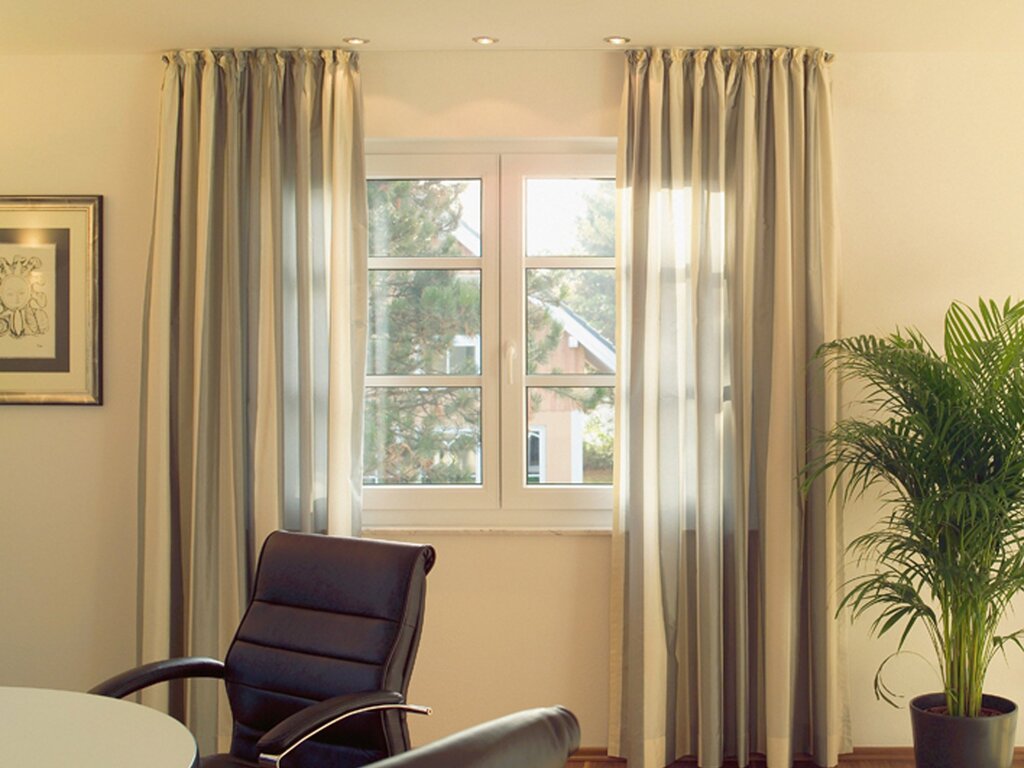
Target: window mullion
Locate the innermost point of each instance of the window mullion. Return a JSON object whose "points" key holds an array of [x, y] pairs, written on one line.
{"points": [[424, 381], [566, 380], [458, 263], [513, 349]]}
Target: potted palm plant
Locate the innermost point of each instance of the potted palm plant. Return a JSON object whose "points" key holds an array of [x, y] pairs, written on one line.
{"points": [[943, 437]]}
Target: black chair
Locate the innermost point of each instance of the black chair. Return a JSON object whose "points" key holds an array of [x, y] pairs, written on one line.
{"points": [[330, 634], [533, 738]]}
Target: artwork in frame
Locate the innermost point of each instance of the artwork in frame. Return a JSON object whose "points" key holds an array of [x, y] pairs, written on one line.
{"points": [[50, 299]]}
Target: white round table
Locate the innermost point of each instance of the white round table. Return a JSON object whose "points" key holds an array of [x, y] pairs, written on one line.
{"points": [[54, 729]]}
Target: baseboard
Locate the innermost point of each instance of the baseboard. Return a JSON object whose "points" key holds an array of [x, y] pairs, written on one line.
{"points": [[592, 757], [902, 755], [756, 761], [596, 757]]}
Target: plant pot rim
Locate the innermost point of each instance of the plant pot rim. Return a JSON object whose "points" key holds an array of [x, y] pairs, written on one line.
{"points": [[1007, 707]]}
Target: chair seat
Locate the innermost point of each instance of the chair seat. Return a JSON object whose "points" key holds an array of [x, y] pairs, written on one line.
{"points": [[223, 761]]}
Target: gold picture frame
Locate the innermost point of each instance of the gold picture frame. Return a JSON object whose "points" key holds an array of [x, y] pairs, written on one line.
{"points": [[50, 303]]}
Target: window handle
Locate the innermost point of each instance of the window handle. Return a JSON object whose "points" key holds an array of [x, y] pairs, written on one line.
{"points": [[511, 352]]}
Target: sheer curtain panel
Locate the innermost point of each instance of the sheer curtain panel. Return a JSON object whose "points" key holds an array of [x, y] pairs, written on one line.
{"points": [[724, 575], [254, 333]]}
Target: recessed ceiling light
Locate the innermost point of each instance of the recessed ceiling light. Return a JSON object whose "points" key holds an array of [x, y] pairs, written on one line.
{"points": [[355, 40], [616, 39], [485, 40]]}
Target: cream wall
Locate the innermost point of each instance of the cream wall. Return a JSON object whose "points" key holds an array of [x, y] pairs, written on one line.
{"points": [[77, 125], [513, 621], [931, 204], [491, 94]]}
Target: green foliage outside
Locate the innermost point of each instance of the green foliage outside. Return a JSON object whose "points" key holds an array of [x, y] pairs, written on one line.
{"points": [[415, 316], [594, 299], [422, 434], [414, 218], [432, 435], [419, 435], [598, 445], [590, 294]]}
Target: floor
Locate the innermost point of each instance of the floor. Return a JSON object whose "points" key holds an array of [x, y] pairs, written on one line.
{"points": [[853, 761]]}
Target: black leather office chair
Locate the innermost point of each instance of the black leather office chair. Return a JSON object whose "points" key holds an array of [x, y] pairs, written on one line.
{"points": [[533, 738], [331, 629]]}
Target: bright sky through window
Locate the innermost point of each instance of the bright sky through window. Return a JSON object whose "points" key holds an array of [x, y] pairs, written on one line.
{"points": [[554, 208]]}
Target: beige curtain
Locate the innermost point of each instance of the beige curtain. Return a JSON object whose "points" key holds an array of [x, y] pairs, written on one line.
{"points": [[254, 338], [724, 577]]}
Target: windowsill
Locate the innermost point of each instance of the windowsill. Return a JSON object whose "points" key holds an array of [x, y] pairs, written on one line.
{"points": [[426, 530], [433, 515]]}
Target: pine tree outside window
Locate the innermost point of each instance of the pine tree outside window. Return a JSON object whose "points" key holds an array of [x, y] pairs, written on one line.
{"points": [[491, 339]]}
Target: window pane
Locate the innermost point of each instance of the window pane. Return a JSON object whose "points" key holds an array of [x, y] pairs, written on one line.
{"points": [[422, 436], [570, 321], [422, 218], [570, 217], [569, 435], [424, 321]]}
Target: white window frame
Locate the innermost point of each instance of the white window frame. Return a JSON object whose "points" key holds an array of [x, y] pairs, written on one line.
{"points": [[517, 495], [504, 500]]}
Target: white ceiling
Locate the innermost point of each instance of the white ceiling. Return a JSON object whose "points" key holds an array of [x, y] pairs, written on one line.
{"points": [[147, 26]]}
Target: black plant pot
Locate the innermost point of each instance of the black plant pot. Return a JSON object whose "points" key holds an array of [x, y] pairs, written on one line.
{"points": [[941, 741]]}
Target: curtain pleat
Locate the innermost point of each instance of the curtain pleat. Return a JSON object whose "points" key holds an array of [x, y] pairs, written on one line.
{"points": [[256, 276], [724, 576]]}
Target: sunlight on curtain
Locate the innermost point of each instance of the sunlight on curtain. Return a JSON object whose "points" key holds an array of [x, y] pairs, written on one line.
{"points": [[724, 576], [254, 337]]}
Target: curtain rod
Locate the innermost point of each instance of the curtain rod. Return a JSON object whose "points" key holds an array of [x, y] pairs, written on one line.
{"points": [[739, 48]]}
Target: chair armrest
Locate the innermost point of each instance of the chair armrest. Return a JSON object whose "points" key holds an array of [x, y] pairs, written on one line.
{"points": [[306, 723], [133, 680]]}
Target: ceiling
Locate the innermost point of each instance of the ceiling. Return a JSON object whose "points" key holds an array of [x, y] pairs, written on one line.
{"points": [[148, 26]]}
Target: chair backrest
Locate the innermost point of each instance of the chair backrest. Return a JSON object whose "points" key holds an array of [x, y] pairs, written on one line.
{"points": [[327, 616], [533, 738]]}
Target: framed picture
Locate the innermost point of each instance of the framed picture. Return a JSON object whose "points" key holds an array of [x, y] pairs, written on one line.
{"points": [[50, 299]]}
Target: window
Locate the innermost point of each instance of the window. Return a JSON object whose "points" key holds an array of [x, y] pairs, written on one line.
{"points": [[490, 352], [536, 457]]}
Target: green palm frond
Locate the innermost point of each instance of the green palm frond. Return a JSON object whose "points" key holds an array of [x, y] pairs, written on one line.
{"points": [[943, 440]]}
